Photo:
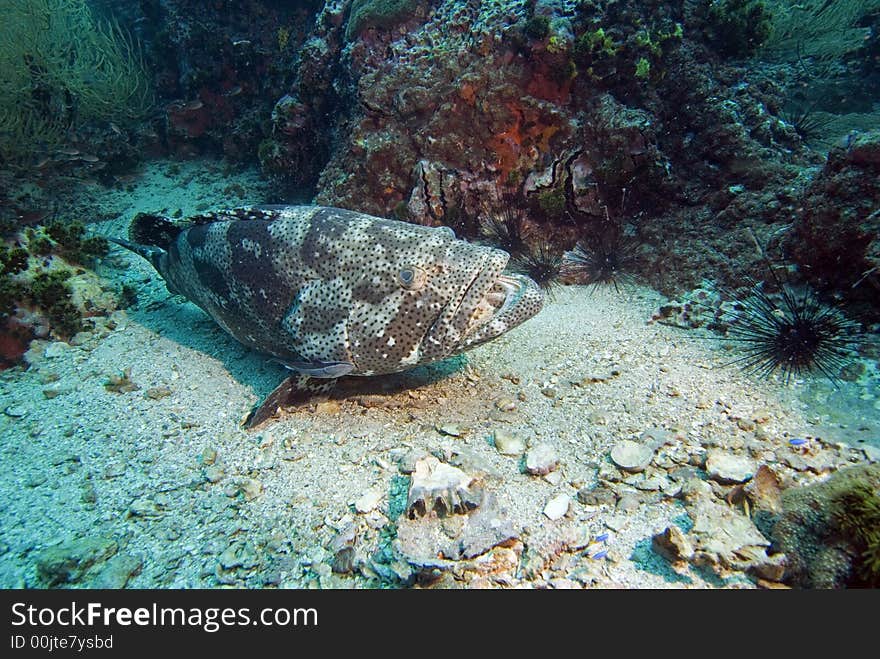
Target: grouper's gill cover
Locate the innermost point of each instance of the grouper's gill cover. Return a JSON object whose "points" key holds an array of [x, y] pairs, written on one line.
{"points": [[330, 292]]}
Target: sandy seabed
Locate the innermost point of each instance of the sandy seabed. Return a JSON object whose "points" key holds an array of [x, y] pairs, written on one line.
{"points": [[160, 487]]}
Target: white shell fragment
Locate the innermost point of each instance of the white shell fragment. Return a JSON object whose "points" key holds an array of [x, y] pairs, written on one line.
{"points": [[442, 488]]}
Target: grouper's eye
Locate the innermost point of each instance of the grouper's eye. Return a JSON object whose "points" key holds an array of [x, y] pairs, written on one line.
{"points": [[412, 278]]}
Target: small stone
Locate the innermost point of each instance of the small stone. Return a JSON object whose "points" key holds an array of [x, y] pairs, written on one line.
{"points": [[652, 484], [230, 557], [541, 460], [342, 548], [765, 490], [628, 503], [617, 523], [214, 473], [557, 507], [408, 462], [56, 349], [727, 468], [597, 418], [608, 472], [15, 411], [89, 493], [761, 416], [598, 496], [250, 488], [772, 568], [144, 507], [368, 501], [35, 480], [157, 393], [673, 545], [328, 407], [631, 456], [671, 489], [114, 469], [554, 478], [209, 456], [450, 429], [745, 424], [872, 453], [505, 404], [117, 572], [795, 461], [508, 444]]}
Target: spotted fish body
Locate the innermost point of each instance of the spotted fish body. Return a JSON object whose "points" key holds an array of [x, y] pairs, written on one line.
{"points": [[331, 292]]}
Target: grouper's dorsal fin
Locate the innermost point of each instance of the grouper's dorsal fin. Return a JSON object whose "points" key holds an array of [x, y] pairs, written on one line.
{"points": [[249, 213], [153, 230]]}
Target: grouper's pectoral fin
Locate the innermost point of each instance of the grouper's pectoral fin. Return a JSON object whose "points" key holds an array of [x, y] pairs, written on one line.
{"points": [[285, 394]]}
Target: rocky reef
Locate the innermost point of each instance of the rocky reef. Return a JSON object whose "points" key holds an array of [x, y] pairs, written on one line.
{"points": [[835, 235], [624, 117]]}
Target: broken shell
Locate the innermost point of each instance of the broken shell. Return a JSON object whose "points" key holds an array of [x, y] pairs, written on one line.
{"points": [[442, 488]]}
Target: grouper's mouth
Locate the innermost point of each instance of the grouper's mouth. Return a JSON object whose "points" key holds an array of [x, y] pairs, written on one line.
{"points": [[488, 304], [511, 300]]}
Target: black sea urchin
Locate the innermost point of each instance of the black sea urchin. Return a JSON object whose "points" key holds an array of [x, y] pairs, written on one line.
{"points": [[795, 336], [542, 262], [505, 228], [607, 260]]}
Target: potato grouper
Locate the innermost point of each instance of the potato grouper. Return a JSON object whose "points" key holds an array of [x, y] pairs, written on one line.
{"points": [[331, 292]]}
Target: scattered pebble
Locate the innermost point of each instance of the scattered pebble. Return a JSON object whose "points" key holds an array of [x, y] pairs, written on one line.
{"points": [[673, 545], [328, 407], [16, 411], [507, 443], [450, 429], [596, 496], [631, 456], [368, 501], [628, 503], [117, 572], [728, 468], [541, 459], [557, 507], [745, 424], [250, 488], [56, 349], [114, 469], [156, 393], [554, 478], [214, 473]]}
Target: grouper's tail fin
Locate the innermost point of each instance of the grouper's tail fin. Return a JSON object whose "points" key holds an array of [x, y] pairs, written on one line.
{"points": [[150, 252], [149, 236]]}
